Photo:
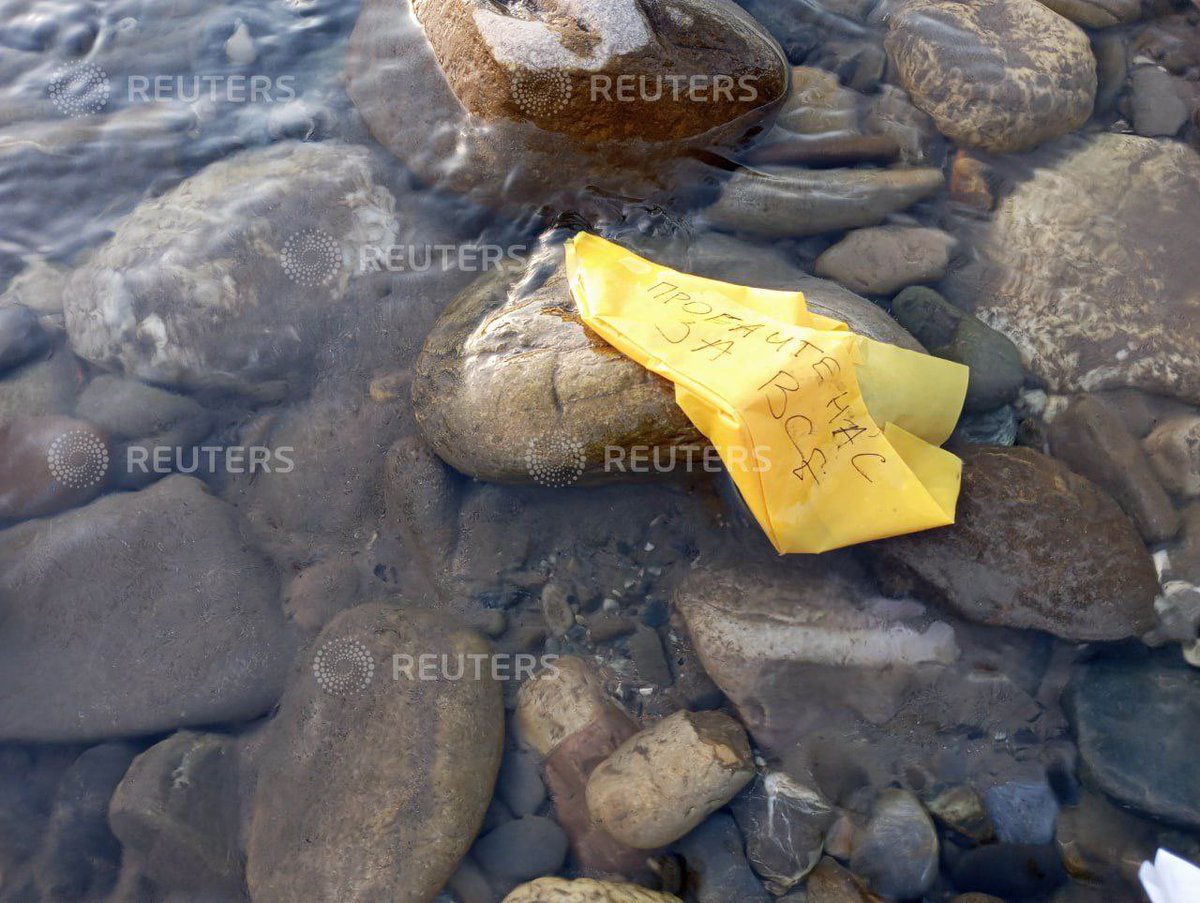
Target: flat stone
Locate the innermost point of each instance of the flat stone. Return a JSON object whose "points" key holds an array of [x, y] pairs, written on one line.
{"points": [[884, 259], [374, 789], [1158, 106], [1082, 328], [21, 336], [1091, 439], [1137, 724], [100, 640], [41, 388], [897, 852], [1034, 546], [1174, 450], [1098, 13], [1014, 75]]}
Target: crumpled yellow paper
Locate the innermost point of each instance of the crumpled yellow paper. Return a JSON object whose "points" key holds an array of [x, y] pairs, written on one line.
{"points": [[831, 438]]}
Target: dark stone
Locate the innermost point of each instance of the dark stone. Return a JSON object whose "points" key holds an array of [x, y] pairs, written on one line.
{"points": [[523, 849], [1022, 811], [784, 823], [1137, 724], [1010, 871], [646, 650], [1034, 546], [897, 852], [717, 871], [21, 336], [520, 784]]}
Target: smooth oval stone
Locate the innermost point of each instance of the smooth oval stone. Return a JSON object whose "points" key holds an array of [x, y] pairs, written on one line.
{"points": [[898, 850], [50, 464], [1034, 546], [1137, 724], [372, 785], [1133, 203], [21, 336], [1001, 75]]}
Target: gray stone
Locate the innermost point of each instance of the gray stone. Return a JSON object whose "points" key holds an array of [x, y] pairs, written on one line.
{"points": [[1174, 450], [1090, 438], [781, 202], [1015, 74], [520, 785], [21, 336], [374, 788], [1031, 273], [885, 259], [522, 849], [1158, 108], [1137, 724], [950, 333], [181, 297], [784, 823], [1022, 811], [961, 809], [717, 871], [649, 660], [41, 388], [176, 813], [897, 852], [998, 427], [1033, 546], [103, 639]]}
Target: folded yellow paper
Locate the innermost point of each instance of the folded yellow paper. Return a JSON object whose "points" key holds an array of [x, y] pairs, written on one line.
{"points": [[831, 438]]}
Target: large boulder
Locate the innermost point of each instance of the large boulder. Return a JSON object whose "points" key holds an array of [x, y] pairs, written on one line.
{"points": [[138, 614], [1133, 203], [1033, 546], [1001, 75], [372, 781], [510, 370], [214, 286], [532, 102]]}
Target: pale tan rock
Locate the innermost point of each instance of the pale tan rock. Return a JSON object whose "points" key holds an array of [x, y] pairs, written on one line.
{"points": [[1002, 75], [661, 783], [1174, 449], [584, 890], [559, 702]]}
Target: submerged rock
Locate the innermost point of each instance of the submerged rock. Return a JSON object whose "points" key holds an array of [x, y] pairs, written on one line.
{"points": [[50, 464], [1133, 202], [784, 823], [1174, 450], [584, 890], [1001, 75], [229, 280], [372, 787], [1137, 724], [21, 336], [897, 852], [509, 103], [1033, 546], [717, 870], [884, 259], [1098, 13], [103, 639]]}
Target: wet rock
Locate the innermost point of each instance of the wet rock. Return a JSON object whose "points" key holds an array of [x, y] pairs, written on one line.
{"points": [[830, 883], [1013, 74], [519, 784], [1098, 13], [41, 388], [564, 714], [513, 106], [80, 857], [961, 809], [378, 791], [1009, 871], [950, 333], [21, 336], [649, 661], [584, 890], [885, 259], [662, 782], [151, 430], [1174, 450], [424, 496], [1032, 278], [181, 298], [320, 592], [717, 871], [976, 898], [998, 427], [784, 823], [897, 852], [556, 610], [102, 640], [522, 849], [780, 202], [1034, 546], [1100, 842], [29, 779], [1137, 729], [1023, 812], [176, 813], [38, 287], [1092, 441], [50, 464], [1158, 108]]}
